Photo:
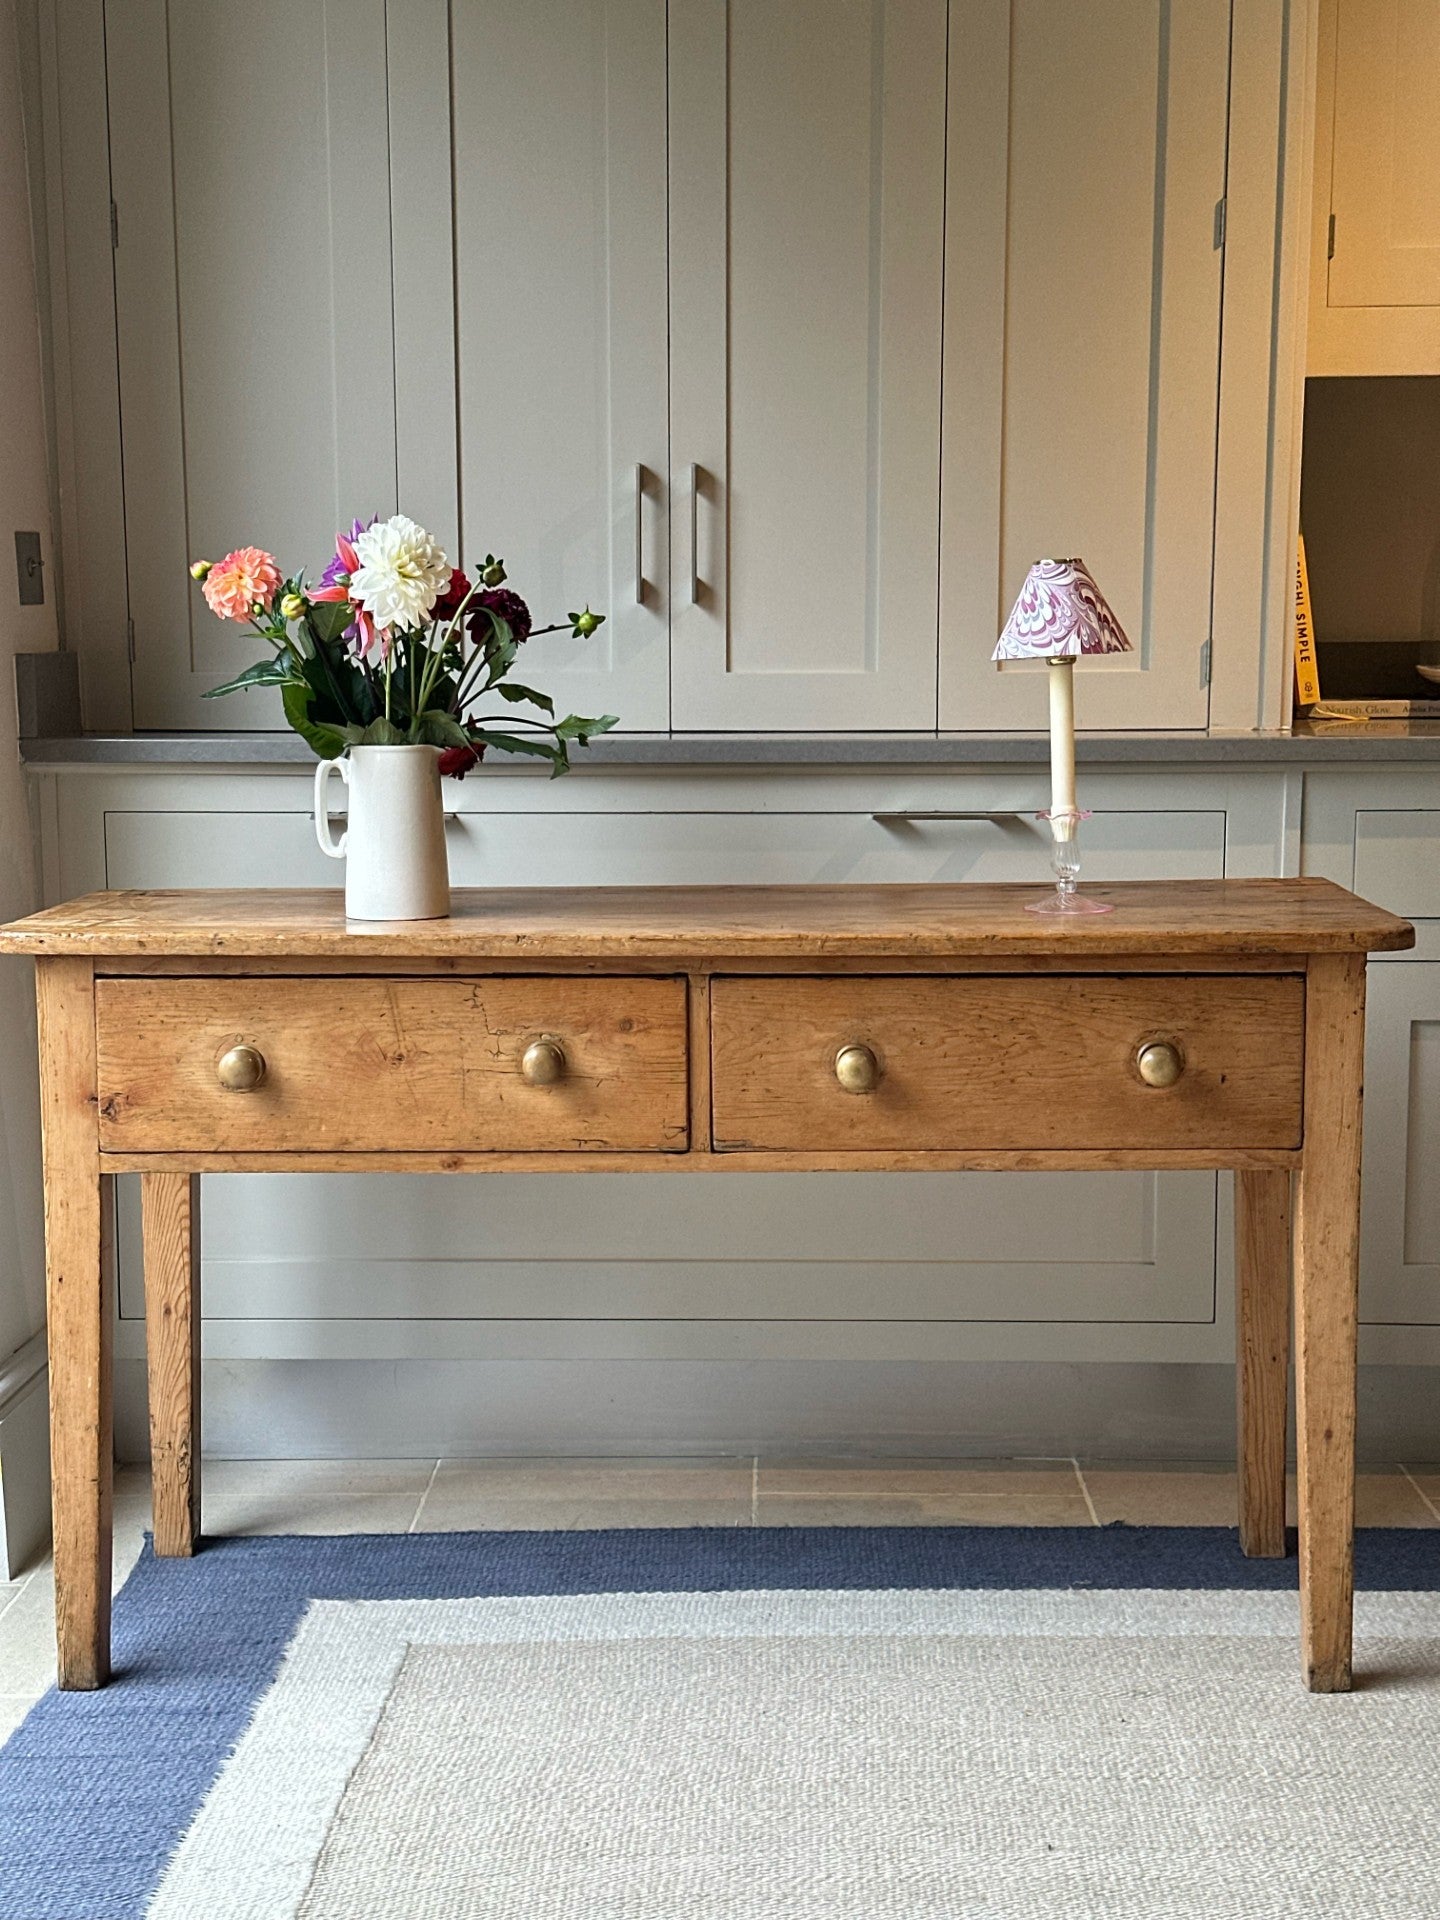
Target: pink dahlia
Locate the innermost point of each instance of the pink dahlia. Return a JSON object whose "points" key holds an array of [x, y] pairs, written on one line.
{"points": [[241, 582]]}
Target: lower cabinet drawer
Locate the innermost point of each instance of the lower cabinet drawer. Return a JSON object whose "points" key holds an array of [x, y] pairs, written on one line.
{"points": [[359, 1065], [1006, 1063]]}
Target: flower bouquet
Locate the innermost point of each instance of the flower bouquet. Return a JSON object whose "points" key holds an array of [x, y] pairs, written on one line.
{"points": [[383, 668], [395, 647]]}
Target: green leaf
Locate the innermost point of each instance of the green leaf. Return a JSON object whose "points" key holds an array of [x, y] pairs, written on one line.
{"points": [[513, 743], [379, 733], [327, 742], [514, 692], [328, 619], [576, 727], [435, 728], [277, 672]]}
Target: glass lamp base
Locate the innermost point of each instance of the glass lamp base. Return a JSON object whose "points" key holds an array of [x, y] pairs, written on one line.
{"points": [[1065, 859], [1069, 903]]}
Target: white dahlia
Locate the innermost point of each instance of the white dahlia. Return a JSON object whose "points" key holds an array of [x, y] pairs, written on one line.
{"points": [[401, 572]]}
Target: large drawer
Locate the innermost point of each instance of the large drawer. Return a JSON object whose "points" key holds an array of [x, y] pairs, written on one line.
{"points": [[1007, 1063], [393, 1064]]}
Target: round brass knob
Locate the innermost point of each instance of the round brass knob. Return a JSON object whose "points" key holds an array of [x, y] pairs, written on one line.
{"points": [[1159, 1063], [857, 1069], [240, 1069], [542, 1063]]}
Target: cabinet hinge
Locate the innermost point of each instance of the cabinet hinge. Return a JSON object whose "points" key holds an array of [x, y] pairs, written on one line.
{"points": [[1219, 223], [1330, 240], [114, 226], [1205, 664], [130, 639]]}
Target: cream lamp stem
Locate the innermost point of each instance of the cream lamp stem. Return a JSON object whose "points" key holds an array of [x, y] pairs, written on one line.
{"points": [[1062, 749]]}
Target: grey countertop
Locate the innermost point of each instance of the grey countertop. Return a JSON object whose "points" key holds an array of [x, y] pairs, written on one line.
{"points": [[1326, 743]]}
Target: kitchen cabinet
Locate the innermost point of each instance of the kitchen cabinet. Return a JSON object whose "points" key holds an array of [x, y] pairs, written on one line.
{"points": [[250, 169], [1400, 1227], [1375, 237], [1084, 232], [807, 221], [785, 332], [335, 1274], [559, 118]]}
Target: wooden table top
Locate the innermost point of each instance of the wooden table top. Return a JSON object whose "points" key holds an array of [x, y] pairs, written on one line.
{"points": [[1201, 917]]}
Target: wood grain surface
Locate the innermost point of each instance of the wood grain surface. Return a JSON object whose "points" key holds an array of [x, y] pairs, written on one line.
{"points": [[1327, 1276], [357, 1064], [696, 923], [80, 1316], [170, 1216], [1007, 1063], [1262, 1357]]}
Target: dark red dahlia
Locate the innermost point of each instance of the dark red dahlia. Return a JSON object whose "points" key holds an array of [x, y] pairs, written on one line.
{"points": [[456, 762], [452, 598], [507, 605]]}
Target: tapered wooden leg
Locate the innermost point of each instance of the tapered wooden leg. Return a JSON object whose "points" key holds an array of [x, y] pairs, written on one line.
{"points": [[80, 1310], [1262, 1356], [1327, 1268], [170, 1210]]}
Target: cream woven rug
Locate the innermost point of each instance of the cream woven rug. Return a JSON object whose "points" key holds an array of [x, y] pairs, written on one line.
{"points": [[1000, 1755]]}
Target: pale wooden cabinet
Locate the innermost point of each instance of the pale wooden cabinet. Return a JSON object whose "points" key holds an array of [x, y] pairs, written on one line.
{"points": [[1375, 273], [1084, 238], [250, 169]]}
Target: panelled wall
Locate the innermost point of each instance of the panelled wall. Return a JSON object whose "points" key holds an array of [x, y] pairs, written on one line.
{"points": [[789, 332]]}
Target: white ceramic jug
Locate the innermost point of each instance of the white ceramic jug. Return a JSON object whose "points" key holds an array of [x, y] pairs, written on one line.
{"points": [[393, 845]]}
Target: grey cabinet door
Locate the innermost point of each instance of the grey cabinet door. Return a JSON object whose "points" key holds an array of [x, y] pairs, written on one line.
{"points": [[558, 110], [1082, 338], [249, 151], [1400, 1191], [807, 219]]}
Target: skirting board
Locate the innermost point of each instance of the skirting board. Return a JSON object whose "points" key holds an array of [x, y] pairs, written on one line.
{"points": [[419, 1409], [24, 1471]]}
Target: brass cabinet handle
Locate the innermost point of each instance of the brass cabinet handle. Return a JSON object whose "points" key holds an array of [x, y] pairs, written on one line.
{"points": [[857, 1069], [1159, 1063], [240, 1069], [543, 1062]]}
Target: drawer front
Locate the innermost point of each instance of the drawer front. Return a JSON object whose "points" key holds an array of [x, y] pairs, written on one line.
{"points": [[1008, 1064], [408, 1064]]}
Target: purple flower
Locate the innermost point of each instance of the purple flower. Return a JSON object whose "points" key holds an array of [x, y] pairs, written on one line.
{"points": [[343, 565]]}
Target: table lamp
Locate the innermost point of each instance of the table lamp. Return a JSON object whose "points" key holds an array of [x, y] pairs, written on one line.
{"points": [[1061, 614]]}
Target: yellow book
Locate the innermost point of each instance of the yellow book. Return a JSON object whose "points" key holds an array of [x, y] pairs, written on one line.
{"points": [[1307, 668]]}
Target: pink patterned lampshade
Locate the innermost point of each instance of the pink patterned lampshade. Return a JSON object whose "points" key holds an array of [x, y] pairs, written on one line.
{"points": [[1060, 613]]}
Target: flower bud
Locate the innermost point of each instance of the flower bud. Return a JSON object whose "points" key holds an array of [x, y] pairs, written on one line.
{"points": [[292, 607], [199, 568], [494, 575], [587, 622]]}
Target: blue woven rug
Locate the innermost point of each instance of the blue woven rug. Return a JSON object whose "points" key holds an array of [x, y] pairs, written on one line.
{"points": [[97, 1791]]}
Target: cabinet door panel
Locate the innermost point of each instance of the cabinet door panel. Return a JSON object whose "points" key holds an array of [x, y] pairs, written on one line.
{"points": [[559, 171], [806, 221], [1385, 186], [252, 285], [1082, 341], [1400, 1228]]}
